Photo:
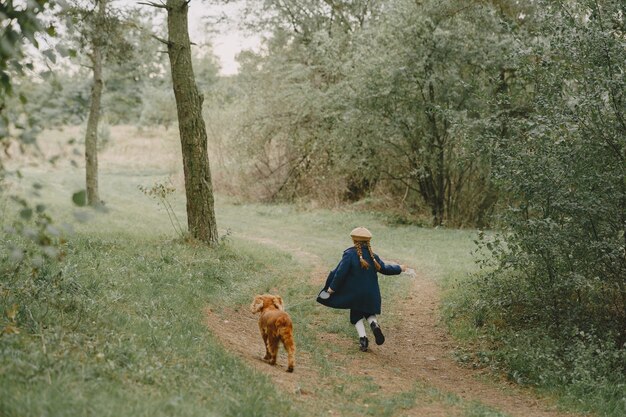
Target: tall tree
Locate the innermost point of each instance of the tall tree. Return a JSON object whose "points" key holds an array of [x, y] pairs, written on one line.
{"points": [[99, 31], [91, 134], [193, 137], [421, 83], [341, 81]]}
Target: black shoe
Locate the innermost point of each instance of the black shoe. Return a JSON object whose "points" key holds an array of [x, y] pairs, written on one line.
{"points": [[378, 333], [363, 344]]}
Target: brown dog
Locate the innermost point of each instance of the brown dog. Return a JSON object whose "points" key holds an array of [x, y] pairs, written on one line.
{"points": [[275, 326]]}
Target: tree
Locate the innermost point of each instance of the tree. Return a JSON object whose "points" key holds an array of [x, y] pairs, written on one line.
{"points": [[290, 125], [198, 186], [98, 30], [558, 145], [91, 134], [420, 85], [373, 95]]}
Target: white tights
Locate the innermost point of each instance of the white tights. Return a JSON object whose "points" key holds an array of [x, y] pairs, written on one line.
{"points": [[360, 325]]}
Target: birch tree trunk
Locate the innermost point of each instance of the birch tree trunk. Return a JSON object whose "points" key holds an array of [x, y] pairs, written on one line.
{"points": [[193, 137]]}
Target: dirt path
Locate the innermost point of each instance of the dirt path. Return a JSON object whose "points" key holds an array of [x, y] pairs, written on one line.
{"points": [[417, 349]]}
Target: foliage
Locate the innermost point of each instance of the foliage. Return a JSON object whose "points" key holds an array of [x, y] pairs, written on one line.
{"points": [[421, 80], [134, 74], [288, 127], [21, 24], [108, 31], [563, 167], [158, 108], [32, 245], [60, 99], [553, 294], [349, 100]]}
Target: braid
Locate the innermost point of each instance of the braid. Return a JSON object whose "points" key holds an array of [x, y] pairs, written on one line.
{"points": [[369, 248], [359, 251]]}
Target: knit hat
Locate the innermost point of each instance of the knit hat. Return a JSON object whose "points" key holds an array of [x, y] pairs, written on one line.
{"points": [[361, 234]]}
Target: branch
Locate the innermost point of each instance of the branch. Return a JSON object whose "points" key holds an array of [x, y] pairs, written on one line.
{"points": [[340, 14], [163, 41], [153, 4]]}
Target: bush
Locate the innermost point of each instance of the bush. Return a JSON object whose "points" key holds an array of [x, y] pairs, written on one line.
{"points": [[510, 335]]}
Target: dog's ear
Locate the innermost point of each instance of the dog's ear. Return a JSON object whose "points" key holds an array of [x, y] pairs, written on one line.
{"points": [[278, 303], [257, 304]]}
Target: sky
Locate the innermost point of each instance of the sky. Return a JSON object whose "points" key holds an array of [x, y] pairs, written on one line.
{"points": [[229, 41]]}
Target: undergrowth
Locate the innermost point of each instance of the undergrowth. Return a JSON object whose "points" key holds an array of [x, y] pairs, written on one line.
{"points": [[587, 373]]}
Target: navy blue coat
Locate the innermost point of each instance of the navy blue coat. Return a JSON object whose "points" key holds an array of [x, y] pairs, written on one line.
{"points": [[356, 288]]}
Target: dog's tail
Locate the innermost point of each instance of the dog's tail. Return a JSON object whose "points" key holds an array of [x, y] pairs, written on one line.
{"points": [[285, 330]]}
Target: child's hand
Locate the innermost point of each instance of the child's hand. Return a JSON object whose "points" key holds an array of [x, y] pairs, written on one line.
{"points": [[403, 267], [409, 271]]}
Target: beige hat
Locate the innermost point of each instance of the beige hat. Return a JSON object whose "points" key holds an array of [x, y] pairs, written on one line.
{"points": [[361, 233]]}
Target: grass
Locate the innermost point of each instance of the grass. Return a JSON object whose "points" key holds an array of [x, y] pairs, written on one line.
{"points": [[131, 341], [116, 328]]}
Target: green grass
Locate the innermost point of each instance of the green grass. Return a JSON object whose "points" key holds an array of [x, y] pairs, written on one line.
{"points": [[439, 253], [120, 329], [130, 339], [117, 327]]}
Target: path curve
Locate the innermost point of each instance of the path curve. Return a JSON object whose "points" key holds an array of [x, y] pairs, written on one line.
{"points": [[417, 348]]}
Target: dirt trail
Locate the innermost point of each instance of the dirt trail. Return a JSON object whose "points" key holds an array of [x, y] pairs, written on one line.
{"points": [[417, 348]]}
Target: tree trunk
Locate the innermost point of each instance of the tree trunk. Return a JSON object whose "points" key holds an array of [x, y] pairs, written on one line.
{"points": [[193, 137], [437, 145], [91, 135], [440, 195]]}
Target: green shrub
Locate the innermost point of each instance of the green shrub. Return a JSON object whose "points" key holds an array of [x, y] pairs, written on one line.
{"points": [[587, 370]]}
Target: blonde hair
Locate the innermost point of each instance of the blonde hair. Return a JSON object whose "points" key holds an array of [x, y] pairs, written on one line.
{"points": [[358, 244]]}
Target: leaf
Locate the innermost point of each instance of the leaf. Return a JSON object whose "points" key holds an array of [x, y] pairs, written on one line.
{"points": [[80, 198], [62, 51], [40, 208]]}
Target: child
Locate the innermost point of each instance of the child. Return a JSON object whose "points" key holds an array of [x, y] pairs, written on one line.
{"points": [[354, 285]]}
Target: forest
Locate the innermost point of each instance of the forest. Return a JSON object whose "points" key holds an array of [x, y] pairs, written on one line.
{"points": [[146, 197]]}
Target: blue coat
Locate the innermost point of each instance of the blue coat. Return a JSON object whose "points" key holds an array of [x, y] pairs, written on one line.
{"points": [[356, 288]]}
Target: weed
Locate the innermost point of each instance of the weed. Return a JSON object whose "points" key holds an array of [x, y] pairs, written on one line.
{"points": [[161, 192]]}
